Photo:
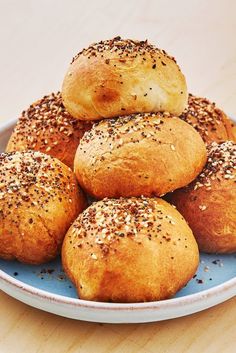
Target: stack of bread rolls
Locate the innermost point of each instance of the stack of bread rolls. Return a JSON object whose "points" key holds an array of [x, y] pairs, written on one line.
{"points": [[125, 123]]}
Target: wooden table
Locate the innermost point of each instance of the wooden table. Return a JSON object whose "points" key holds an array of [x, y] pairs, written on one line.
{"points": [[37, 41]]}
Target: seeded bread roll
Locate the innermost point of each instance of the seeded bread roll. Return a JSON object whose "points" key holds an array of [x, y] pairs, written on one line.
{"points": [[142, 154], [39, 199], [211, 122], [47, 127], [209, 203], [119, 77], [129, 250]]}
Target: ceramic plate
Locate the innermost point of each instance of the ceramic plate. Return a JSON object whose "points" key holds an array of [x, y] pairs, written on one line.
{"points": [[46, 287]]}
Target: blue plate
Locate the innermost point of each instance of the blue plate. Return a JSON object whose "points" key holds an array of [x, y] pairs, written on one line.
{"points": [[213, 270], [47, 287]]}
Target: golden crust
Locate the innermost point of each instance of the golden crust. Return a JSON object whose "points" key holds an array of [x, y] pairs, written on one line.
{"points": [[209, 203], [211, 122], [39, 199], [129, 250], [121, 77], [142, 154], [47, 127]]}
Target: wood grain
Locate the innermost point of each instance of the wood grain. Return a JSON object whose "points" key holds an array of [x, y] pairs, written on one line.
{"points": [[37, 41], [25, 329]]}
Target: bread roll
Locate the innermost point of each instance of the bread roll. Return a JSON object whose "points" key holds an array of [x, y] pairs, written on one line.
{"points": [[39, 199], [209, 203], [142, 154], [211, 122], [119, 77], [47, 127], [129, 250]]}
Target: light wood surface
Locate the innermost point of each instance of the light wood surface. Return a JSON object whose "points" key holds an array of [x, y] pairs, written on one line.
{"points": [[37, 41]]}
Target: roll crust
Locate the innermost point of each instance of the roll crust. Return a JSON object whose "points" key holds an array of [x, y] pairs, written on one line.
{"points": [[39, 199], [209, 203], [129, 250], [211, 122], [119, 77], [46, 126], [142, 154]]}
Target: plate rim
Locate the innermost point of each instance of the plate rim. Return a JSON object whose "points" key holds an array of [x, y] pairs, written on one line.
{"points": [[191, 299]]}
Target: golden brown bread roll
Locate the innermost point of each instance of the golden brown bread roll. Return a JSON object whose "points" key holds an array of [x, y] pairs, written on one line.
{"points": [[129, 250], [120, 77], [142, 154], [39, 199], [47, 127], [209, 203], [211, 122]]}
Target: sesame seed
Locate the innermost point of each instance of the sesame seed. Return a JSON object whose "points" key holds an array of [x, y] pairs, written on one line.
{"points": [[221, 164], [123, 49], [44, 121], [204, 116]]}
